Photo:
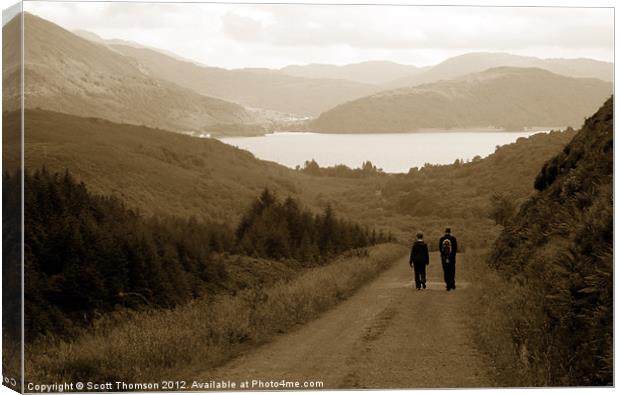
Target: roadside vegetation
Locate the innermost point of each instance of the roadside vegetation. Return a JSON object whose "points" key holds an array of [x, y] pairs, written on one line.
{"points": [[149, 345], [114, 294], [547, 307]]}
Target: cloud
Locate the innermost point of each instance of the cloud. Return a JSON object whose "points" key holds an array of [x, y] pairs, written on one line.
{"points": [[273, 35], [424, 27]]}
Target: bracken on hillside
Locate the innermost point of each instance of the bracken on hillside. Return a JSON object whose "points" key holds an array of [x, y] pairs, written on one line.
{"points": [[559, 250]]}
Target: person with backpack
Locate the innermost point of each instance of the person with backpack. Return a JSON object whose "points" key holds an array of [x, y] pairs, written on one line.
{"points": [[448, 249], [418, 260]]}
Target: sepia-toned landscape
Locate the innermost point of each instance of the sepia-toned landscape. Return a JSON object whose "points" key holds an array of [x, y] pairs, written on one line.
{"points": [[178, 224]]}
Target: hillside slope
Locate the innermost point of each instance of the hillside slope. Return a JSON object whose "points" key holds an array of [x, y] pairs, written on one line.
{"points": [[559, 251], [64, 72], [479, 61], [505, 97], [157, 171]]}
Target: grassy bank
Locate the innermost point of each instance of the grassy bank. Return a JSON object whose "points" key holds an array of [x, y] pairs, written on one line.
{"points": [[547, 307], [147, 346], [526, 329], [496, 307], [509, 321]]}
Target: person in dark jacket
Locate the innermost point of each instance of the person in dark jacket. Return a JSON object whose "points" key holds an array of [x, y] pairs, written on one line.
{"points": [[448, 249], [418, 261]]}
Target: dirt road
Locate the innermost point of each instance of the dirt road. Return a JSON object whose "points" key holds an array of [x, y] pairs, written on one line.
{"points": [[387, 335]]}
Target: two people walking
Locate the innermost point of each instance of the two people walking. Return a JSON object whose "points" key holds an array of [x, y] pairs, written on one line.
{"points": [[419, 259]]}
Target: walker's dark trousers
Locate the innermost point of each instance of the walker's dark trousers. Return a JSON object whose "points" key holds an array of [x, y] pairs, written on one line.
{"points": [[449, 271], [419, 274]]}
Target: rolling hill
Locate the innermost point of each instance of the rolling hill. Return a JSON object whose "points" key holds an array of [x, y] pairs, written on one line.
{"points": [[66, 73], [157, 171], [503, 97], [479, 61]]}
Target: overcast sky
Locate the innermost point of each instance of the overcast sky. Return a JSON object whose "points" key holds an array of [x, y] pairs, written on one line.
{"points": [[252, 35]]}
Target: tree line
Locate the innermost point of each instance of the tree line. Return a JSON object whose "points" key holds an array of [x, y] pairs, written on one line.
{"points": [[281, 229], [87, 254], [367, 169]]}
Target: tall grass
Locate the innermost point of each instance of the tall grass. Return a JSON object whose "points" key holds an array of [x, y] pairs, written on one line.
{"points": [[555, 259], [528, 333], [498, 307], [147, 346]]}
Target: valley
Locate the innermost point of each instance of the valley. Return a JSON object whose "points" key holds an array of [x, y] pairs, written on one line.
{"points": [[188, 220], [127, 82]]}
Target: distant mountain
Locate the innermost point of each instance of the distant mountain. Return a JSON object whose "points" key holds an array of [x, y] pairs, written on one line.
{"points": [[258, 88], [373, 72], [115, 41], [503, 97], [479, 61], [66, 73]]}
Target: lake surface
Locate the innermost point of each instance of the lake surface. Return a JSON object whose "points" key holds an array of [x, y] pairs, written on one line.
{"points": [[393, 152]]}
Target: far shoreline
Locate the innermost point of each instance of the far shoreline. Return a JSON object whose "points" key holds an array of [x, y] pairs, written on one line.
{"points": [[535, 129], [392, 152]]}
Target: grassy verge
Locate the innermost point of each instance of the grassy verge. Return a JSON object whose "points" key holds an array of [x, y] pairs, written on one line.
{"points": [[490, 320], [525, 327], [504, 314], [147, 346]]}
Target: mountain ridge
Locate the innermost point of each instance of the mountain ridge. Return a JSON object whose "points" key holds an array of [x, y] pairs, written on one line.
{"points": [[479, 61], [67, 73], [256, 87], [403, 75], [504, 97], [312, 89], [374, 72]]}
